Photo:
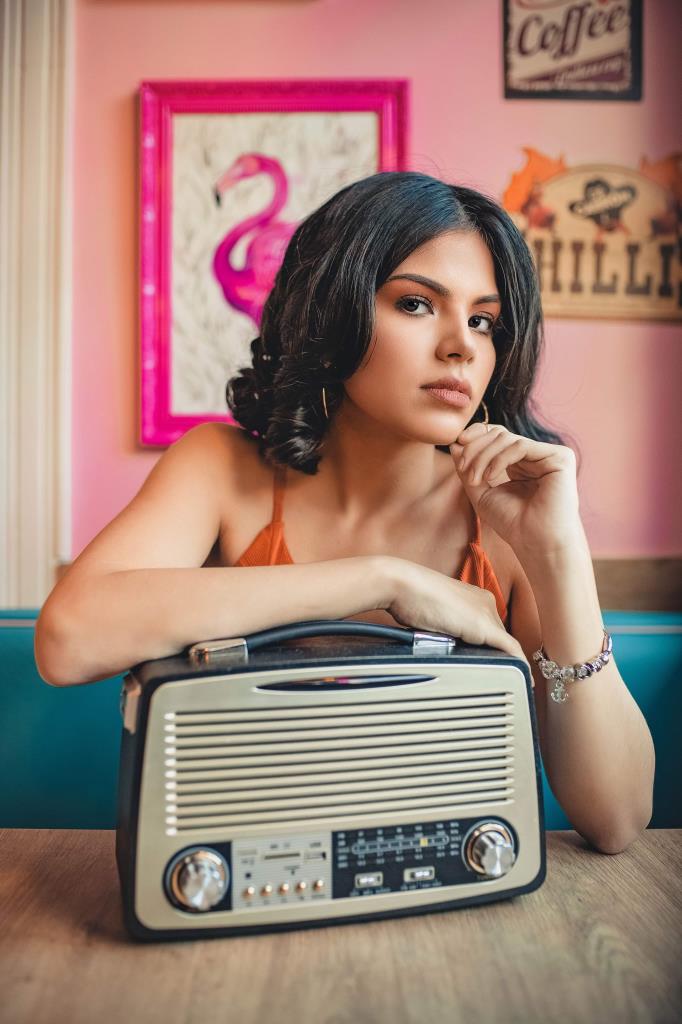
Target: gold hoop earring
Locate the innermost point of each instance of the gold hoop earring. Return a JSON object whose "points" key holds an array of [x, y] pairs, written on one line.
{"points": [[324, 403]]}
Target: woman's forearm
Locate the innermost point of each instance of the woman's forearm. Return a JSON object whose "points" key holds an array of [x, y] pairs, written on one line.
{"points": [[599, 755], [103, 625]]}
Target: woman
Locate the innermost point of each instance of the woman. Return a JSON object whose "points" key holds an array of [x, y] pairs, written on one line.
{"points": [[387, 409]]}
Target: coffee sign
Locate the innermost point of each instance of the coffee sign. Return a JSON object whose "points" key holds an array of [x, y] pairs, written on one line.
{"points": [[605, 239], [573, 49]]}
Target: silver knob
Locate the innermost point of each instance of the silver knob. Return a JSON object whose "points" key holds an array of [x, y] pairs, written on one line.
{"points": [[490, 850], [199, 880]]}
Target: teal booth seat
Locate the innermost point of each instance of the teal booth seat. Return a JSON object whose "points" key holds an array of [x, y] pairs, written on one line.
{"points": [[60, 747]]}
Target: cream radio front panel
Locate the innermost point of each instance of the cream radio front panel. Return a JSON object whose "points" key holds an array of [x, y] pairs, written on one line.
{"points": [[303, 795]]}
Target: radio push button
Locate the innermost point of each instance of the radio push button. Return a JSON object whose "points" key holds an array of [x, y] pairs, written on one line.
{"points": [[489, 850], [369, 879], [423, 874]]}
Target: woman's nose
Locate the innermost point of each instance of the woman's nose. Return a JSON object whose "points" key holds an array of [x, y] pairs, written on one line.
{"points": [[457, 341]]}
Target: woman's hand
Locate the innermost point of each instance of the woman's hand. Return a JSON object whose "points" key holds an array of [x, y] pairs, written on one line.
{"points": [[526, 490], [425, 599]]}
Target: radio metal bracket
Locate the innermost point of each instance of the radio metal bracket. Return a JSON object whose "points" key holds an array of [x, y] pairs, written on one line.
{"points": [[232, 649], [433, 642]]}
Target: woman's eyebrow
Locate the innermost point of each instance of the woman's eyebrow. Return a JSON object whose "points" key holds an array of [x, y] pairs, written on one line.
{"points": [[439, 288]]}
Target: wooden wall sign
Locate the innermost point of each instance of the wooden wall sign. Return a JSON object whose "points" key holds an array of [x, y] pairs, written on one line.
{"points": [[573, 49], [605, 239]]}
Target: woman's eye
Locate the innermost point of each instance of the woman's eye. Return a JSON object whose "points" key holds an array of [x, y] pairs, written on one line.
{"points": [[413, 300], [488, 320]]}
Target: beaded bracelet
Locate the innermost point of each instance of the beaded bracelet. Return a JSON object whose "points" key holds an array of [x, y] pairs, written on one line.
{"points": [[561, 674]]}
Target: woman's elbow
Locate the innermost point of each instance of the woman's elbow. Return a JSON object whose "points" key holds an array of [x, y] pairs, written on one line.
{"points": [[619, 837], [49, 650]]}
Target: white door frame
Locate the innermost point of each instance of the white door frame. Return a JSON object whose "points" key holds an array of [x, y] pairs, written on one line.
{"points": [[36, 133]]}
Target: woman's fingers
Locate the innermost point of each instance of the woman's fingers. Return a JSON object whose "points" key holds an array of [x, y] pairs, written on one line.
{"points": [[506, 642], [476, 466], [470, 444], [467, 455], [496, 635], [425, 599], [502, 459], [486, 456]]}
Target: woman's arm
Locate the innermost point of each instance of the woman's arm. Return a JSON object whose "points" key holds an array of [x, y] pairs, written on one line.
{"points": [[139, 589], [596, 747], [112, 621]]}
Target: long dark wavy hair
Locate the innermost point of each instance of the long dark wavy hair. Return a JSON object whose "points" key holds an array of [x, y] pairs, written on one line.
{"points": [[318, 319]]}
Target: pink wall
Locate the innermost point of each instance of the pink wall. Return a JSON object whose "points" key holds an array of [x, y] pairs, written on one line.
{"points": [[613, 385]]}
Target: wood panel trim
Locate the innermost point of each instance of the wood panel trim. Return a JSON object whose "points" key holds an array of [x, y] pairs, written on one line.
{"points": [[639, 584]]}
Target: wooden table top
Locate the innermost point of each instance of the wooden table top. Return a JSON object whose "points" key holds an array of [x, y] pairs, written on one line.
{"points": [[599, 941]]}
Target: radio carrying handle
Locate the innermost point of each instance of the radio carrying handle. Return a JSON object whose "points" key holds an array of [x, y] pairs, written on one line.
{"points": [[237, 648]]}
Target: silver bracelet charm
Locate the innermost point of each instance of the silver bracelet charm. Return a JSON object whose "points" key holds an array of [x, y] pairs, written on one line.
{"points": [[562, 674]]}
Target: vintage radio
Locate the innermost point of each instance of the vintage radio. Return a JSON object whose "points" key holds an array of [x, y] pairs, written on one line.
{"points": [[325, 772]]}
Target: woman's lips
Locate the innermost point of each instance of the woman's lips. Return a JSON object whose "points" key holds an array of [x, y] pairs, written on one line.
{"points": [[449, 396]]}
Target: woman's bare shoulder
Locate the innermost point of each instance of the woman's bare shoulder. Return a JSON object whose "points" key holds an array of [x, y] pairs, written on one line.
{"points": [[244, 483], [229, 434], [241, 456]]}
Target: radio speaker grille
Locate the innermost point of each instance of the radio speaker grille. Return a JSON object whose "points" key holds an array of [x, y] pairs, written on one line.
{"points": [[249, 766]]}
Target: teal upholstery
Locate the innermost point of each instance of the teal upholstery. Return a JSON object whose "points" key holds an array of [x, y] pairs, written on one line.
{"points": [[59, 756]]}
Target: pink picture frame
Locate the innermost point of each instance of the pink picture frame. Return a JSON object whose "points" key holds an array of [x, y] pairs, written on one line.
{"points": [[200, 142]]}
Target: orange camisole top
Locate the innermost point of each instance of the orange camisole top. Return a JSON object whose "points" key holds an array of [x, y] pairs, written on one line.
{"points": [[269, 547]]}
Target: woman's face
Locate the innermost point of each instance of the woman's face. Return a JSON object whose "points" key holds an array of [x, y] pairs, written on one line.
{"points": [[427, 331]]}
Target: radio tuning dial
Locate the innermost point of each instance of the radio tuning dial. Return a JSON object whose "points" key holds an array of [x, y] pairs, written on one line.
{"points": [[489, 850], [199, 880]]}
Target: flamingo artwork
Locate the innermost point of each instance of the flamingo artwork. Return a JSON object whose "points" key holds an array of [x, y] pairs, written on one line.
{"points": [[246, 288]]}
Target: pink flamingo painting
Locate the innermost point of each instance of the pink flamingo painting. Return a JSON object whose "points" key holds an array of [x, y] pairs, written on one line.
{"points": [[247, 288]]}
